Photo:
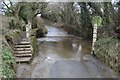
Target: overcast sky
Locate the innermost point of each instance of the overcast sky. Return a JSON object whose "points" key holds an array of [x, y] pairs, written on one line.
{"points": [[62, 0], [0, 7]]}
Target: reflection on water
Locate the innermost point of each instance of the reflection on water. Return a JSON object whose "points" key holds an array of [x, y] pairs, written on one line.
{"points": [[65, 49], [52, 31], [63, 56], [58, 45]]}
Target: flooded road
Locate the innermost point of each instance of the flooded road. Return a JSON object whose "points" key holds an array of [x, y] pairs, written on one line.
{"points": [[61, 55]]}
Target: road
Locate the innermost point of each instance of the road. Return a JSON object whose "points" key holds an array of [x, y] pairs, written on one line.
{"points": [[61, 55]]}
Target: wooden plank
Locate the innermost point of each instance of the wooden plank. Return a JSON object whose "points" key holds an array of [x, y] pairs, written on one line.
{"points": [[23, 55], [23, 59], [22, 46], [22, 52], [22, 49]]}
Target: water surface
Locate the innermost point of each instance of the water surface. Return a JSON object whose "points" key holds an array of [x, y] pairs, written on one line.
{"points": [[61, 55]]}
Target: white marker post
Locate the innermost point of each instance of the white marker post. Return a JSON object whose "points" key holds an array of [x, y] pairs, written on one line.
{"points": [[28, 28], [96, 21], [94, 36]]}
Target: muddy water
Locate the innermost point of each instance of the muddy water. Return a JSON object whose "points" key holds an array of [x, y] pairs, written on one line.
{"points": [[61, 55]]}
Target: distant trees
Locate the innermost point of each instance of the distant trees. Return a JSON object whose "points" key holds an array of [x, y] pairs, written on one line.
{"points": [[77, 17], [35, 8], [86, 21], [75, 21], [14, 10]]}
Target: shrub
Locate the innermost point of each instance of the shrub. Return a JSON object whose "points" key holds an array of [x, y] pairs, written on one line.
{"points": [[8, 61], [108, 51]]}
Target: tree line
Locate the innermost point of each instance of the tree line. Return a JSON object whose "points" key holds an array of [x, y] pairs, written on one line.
{"points": [[77, 17]]}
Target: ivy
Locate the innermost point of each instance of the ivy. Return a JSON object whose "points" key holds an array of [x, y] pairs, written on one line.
{"points": [[8, 61], [97, 20]]}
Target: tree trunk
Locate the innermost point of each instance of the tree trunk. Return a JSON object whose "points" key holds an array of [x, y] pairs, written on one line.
{"points": [[18, 26], [32, 18]]}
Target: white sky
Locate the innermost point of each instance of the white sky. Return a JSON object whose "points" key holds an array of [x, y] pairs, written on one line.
{"points": [[62, 0]]}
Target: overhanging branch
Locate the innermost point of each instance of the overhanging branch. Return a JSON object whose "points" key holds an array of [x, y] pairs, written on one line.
{"points": [[8, 6]]}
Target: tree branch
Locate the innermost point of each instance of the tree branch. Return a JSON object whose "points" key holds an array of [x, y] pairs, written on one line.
{"points": [[11, 3], [8, 7]]}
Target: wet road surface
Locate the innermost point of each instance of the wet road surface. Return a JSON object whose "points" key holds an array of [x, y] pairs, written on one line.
{"points": [[61, 55]]}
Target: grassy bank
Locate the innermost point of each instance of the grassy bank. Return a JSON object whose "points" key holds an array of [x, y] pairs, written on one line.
{"points": [[7, 62], [107, 49], [9, 36]]}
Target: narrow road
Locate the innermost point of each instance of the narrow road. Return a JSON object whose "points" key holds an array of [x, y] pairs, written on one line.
{"points": [[61, 55]]}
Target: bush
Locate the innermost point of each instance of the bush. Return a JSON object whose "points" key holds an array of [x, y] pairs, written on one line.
{"points": [[13, 34], [8, 61], [108, 51]]}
